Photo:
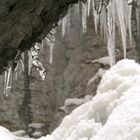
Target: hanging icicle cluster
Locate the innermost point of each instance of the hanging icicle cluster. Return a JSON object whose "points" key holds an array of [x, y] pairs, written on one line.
{"points": [[112, 14], [138, 17], [14, 68], [66, 21], [109, 15], [115, 14]]}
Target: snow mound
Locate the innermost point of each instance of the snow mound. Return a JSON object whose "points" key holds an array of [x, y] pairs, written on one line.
{"points": [[5, 134], [114, 113]]}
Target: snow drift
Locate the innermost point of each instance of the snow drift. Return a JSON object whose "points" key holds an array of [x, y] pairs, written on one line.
{"points": [[113, 114]]}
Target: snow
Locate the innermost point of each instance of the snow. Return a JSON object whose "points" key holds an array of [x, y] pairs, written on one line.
{"points": [[114, 15], [20, 133], [102, 60], [138, 18], [113, 114], [99, 74], [88, 6], [51, 43]]}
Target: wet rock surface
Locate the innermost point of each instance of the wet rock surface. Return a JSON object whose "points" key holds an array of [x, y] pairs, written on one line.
{"points": [[23, 22]]}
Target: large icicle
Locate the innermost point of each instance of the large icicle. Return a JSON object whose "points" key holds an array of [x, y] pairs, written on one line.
{"points": [[121, 7], [76, 11], [96, 16], [138, 18], [88, 6], [64, 21], [84, 17]]}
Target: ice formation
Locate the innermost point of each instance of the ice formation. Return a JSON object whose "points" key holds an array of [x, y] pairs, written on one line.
{"points": [[113, 114], [50, 38], [116, 14], [138, 18], [109, 15], [84, 17]]}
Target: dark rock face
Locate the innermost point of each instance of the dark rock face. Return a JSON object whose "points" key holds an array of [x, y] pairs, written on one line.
{"points": [[23, 22]]}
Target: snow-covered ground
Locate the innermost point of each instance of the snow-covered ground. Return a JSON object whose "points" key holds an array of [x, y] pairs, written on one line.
{"points": [[113, 114]]}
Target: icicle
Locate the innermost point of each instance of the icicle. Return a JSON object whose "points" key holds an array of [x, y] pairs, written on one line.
{"points": [[88, 7], [138, 18], [121, 17], [64, 21], [51, 54], [96, 16], [76, 11], [5, 83], [129, 24], [8, 79], [84, 17], [111, 33], [118, 14], [103, 23], [42, 46], [30, 62]]}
